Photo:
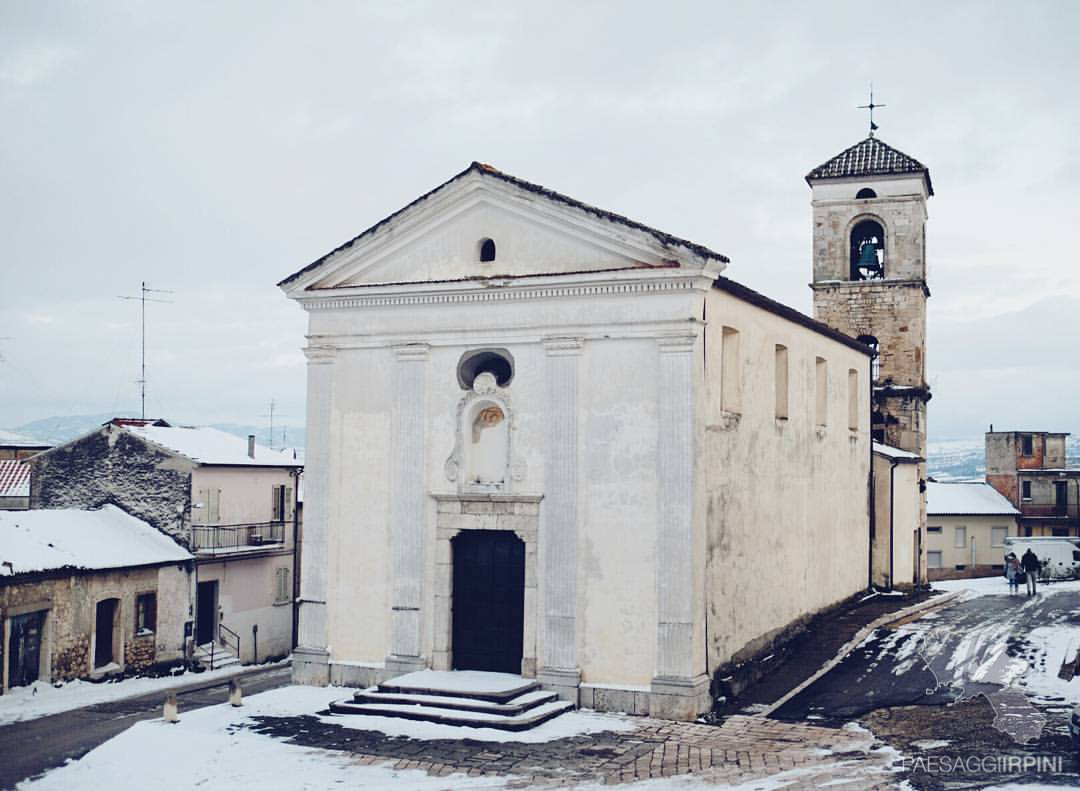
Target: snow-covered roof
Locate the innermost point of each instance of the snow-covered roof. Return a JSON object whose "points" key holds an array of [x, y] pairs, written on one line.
{"points": [[967, 499], [895, 453], [107, 538], [211, 446], [14, 478]]}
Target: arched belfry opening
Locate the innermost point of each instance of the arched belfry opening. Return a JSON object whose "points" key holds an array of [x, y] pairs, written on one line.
{"points": [[875, 363], [865, 193], [867, 250]]}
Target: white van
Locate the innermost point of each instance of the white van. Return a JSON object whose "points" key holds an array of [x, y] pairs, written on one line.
{"points": [[1060, 555]]}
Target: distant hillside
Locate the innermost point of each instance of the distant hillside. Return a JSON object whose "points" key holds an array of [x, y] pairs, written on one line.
{"points": [[60, 429]]}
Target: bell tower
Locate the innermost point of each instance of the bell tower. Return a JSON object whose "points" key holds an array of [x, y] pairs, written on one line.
{"points": [[869, 205]]}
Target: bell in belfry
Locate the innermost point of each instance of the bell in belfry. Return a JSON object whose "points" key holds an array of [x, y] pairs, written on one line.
{"points": [[868, 262]]}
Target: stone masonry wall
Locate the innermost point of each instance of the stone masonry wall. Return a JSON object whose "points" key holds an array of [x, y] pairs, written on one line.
{"points": [[893, 312], [71, 603], [112, 466]]}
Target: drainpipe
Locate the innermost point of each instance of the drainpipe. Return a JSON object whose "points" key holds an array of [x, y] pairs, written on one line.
{"points": [[294, 583]]}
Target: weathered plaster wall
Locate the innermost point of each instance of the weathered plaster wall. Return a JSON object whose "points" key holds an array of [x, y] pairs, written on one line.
{"points": [[788, 512], [899, 509], [111, 466], [69, 633]]}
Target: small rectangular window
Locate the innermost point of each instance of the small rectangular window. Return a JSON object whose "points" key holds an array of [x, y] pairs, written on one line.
{"points": [[997, 536], [821, 392], [730, 386], [1028, 445], [282, 594], [780, 381], [1025, 490], [1058, 532], [933, 529], [959, 567], [933, 559], [145, 613], [960, 538], [853, 399]]}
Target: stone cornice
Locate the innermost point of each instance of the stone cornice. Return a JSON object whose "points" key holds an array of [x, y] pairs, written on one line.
{"points": [[464, 292]]}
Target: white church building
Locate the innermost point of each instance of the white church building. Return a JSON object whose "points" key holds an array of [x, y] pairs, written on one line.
{"points": [[548, 440]]}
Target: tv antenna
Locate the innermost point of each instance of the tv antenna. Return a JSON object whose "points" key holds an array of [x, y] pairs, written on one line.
{"points": [[143, 299], [270, 415]]}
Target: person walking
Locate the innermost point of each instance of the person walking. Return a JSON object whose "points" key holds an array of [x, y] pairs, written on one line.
{"points": [[1030, 563], [1012, 572]]}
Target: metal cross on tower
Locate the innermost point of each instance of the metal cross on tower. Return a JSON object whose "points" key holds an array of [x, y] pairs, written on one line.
{"points": [[870, 107], [143, 299]]}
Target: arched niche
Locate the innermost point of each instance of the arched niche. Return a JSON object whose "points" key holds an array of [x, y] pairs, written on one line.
{"points": [[483, 459]]}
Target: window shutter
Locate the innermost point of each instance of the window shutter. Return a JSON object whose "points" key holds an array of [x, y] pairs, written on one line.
{"points": [[288, 503]]}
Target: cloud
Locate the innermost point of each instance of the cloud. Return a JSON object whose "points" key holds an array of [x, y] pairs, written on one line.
{"points": [[26, 67]]}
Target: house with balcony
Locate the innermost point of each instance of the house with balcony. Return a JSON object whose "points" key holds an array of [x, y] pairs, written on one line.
{"points": [[1031, 469], [229, 501]]}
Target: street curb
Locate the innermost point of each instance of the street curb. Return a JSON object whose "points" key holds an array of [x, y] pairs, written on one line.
{"points": [[218, 681], [882, 620]]}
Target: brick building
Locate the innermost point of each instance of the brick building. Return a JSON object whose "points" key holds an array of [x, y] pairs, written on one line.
{"points": [[1030, 468], [87, 594]]}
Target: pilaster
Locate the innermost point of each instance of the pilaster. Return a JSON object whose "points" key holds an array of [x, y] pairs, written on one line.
{"points": [[558, 666], [679, 689], [311, 657], [407, 498]]}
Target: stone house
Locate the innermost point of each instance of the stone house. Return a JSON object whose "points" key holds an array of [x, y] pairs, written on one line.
{"points": [[967, 524], [1031, 470], [85, 594], [230, 501], [545, 439]]}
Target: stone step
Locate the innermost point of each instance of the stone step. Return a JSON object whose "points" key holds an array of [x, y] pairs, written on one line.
{"points": [[521, 703], [471, 719], [223, 657], [473, 684]]}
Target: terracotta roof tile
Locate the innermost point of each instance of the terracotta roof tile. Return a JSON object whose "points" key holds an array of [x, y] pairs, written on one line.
{"points": [[870, 157]]}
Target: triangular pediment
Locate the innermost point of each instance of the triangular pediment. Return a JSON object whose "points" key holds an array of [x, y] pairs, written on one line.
{"points": [[532, 231]]}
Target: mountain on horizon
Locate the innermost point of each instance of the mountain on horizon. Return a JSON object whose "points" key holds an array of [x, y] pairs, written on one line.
{"points": [[59, 429]]}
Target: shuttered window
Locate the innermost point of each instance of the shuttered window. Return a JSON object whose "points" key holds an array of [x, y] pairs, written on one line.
{"points": [[282, 592]]}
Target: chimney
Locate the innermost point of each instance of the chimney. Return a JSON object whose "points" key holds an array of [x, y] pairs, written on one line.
{"points": [[251, 446]]}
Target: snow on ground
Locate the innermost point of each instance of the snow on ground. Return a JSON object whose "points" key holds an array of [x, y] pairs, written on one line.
{"points": [[41, 699], [207, 749], [998, 585], [478, 681], [931, 744]]}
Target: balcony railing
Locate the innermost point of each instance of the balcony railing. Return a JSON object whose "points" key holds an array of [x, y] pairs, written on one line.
{"points": [[1070, 511], [219, 539]]}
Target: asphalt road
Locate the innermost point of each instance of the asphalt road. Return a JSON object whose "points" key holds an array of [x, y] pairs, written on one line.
{"points": [[30, 748], [911, 664]]}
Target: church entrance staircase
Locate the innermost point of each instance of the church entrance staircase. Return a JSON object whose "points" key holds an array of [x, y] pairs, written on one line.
{"points": [[471, 698]]}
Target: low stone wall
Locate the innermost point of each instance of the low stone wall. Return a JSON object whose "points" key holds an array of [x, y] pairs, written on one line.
{"points": [[971, 571]]}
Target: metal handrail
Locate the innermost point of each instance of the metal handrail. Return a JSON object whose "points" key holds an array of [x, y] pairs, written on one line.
{"points": [[215, 538], [224, 633]]}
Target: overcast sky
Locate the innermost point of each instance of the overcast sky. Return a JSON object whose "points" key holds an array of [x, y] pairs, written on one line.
{"points": [[214, 148]]}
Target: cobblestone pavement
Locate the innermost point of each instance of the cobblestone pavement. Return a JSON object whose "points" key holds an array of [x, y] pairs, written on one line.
{"points": [[740, 750]]}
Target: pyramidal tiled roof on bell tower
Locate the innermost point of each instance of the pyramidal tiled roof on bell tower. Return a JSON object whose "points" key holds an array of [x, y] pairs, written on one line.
{"points": [[870, 157]]}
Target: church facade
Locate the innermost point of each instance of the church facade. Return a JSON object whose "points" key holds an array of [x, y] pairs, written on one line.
{"points": [[545, 439]]}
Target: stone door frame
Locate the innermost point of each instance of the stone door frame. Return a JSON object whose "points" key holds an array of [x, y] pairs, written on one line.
{"points": [[516, 513]]}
